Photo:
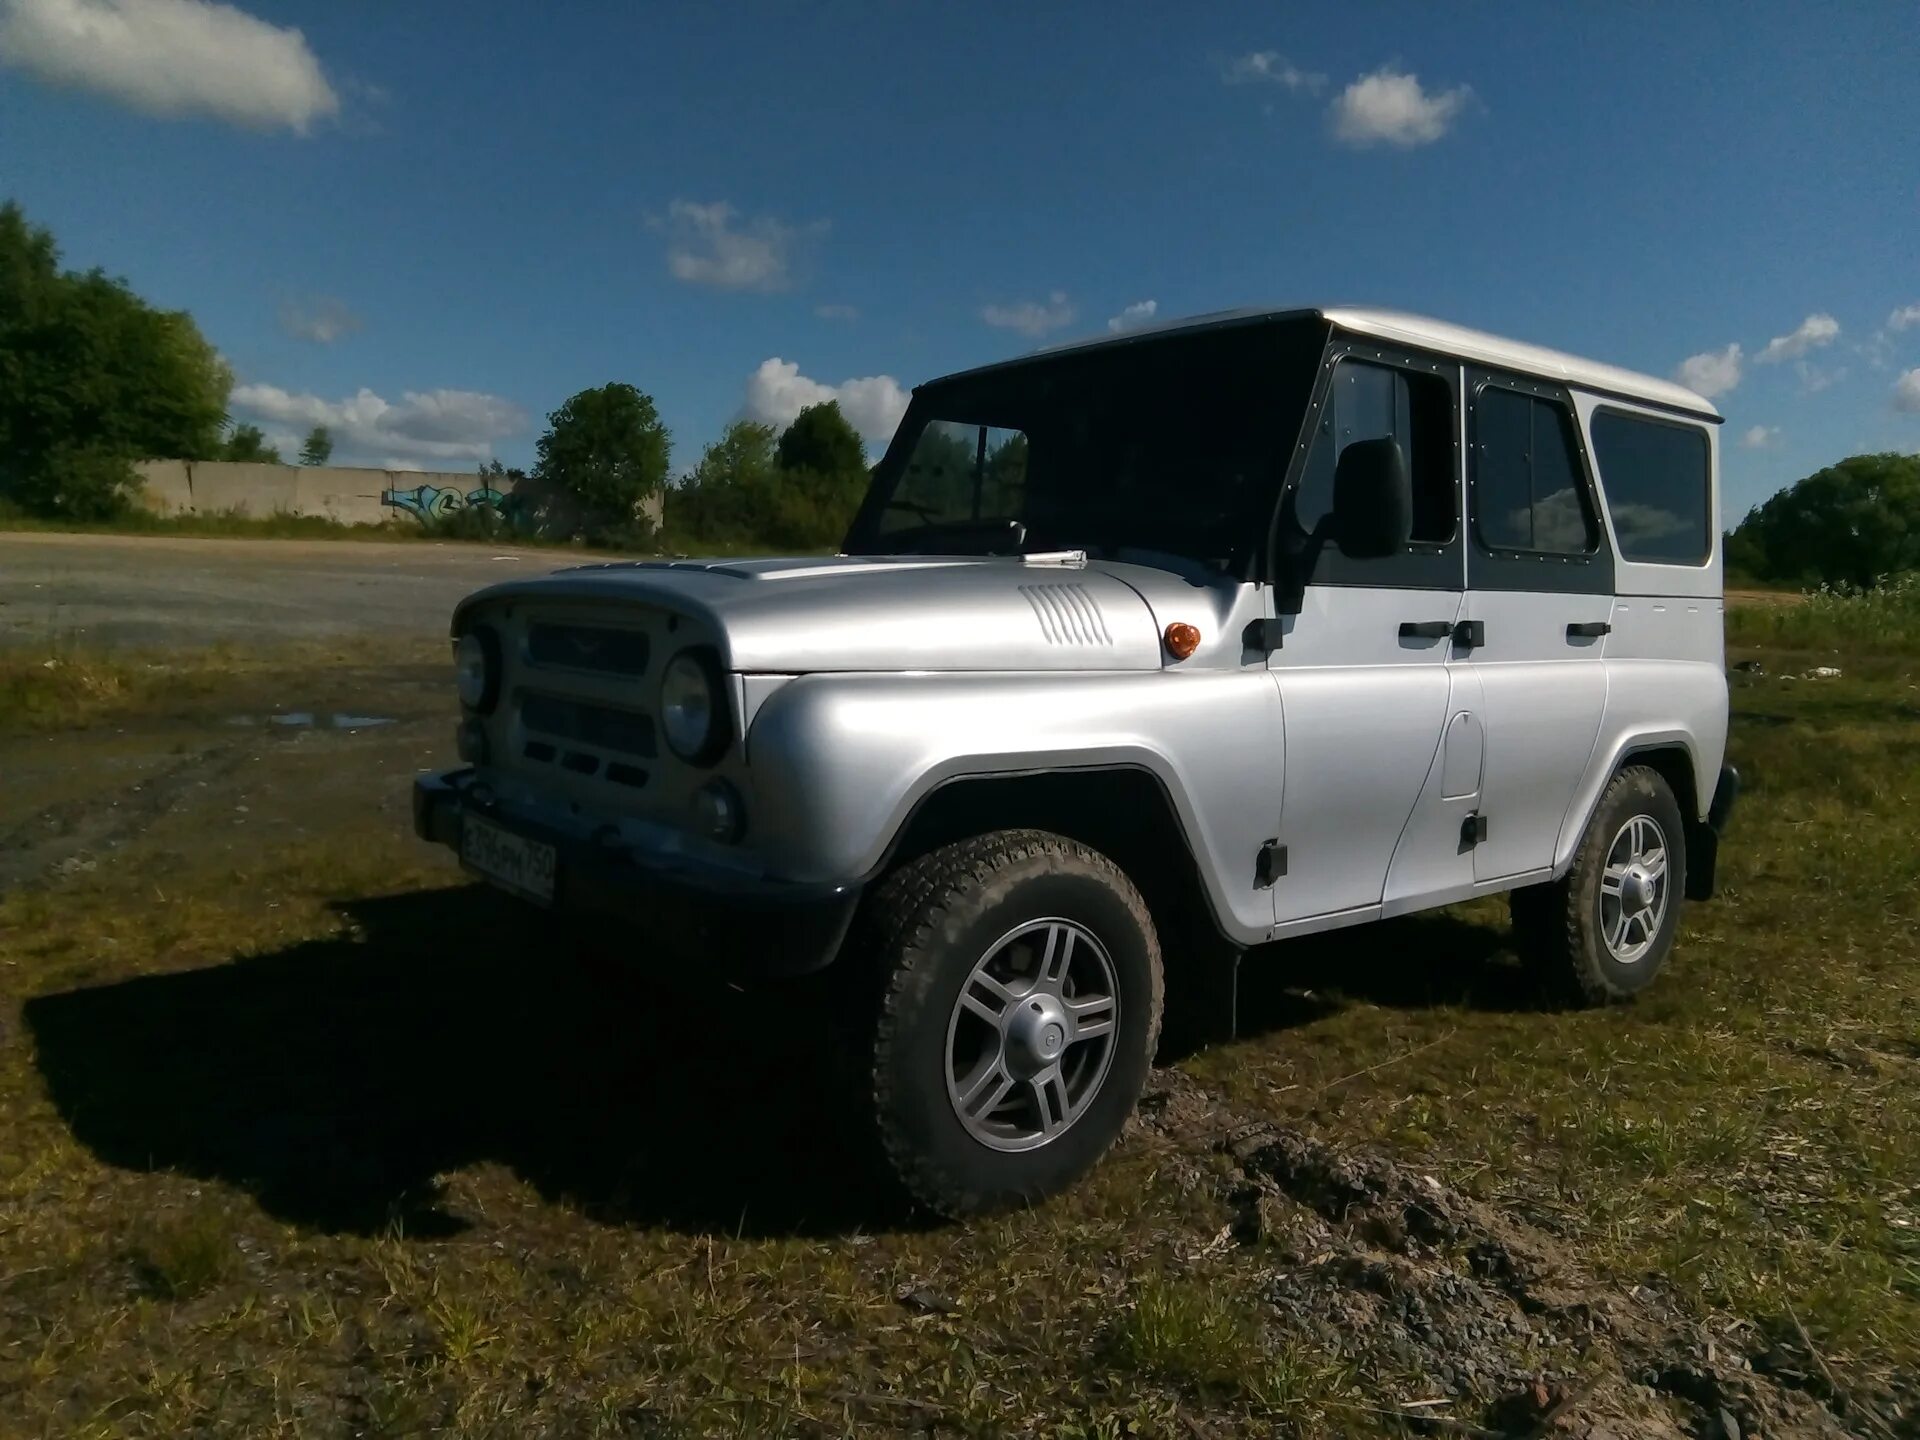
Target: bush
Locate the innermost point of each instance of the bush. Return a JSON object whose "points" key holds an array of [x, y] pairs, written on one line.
{"points": [[1849, 524], [1882, 619], [76, 483]]}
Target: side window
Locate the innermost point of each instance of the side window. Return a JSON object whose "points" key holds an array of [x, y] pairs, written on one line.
{"points": [[1658, 487], [1369, 401], [1528, 491]]}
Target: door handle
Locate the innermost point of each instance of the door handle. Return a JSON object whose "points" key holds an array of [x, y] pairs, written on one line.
{"points": [[1425, 629], [1588, 629], [1469, 633]]}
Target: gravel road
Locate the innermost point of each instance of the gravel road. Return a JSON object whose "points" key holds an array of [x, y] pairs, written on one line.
{"points": [[129, 590]]}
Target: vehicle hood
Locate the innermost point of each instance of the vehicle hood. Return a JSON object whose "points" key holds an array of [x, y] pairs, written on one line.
{"points": [[877, 613]]}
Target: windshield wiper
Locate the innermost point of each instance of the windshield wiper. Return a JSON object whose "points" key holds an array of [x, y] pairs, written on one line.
{"points": [[967, 537]]}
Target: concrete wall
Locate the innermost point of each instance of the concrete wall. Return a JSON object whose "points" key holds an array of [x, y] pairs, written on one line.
{"points": [[353, 497]]}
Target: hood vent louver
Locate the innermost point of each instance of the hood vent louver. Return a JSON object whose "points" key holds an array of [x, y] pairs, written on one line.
{"points": [[1068, 615]]}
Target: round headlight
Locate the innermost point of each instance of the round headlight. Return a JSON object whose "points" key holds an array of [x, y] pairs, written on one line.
{"points": [[476, 668], [692, 707]]}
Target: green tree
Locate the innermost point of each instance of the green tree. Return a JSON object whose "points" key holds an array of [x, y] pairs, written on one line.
{"points": [[821, 440], [247, 443], [318, 448], [91, 379], [1852, 523], [605, 451], [729, 495]]}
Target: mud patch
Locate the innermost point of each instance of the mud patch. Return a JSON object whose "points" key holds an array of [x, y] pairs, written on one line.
{"points": [[1471, 1320], [68, 837]]}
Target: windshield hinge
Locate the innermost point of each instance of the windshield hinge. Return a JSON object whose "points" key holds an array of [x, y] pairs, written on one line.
{"points": [[1263, 635]]}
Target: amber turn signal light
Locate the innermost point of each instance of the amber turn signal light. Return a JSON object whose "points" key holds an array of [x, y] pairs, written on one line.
{"points": [[1181, 639]]}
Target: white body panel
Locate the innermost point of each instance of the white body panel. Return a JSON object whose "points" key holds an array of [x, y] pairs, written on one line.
{"points": [[1543, 699], [860, 686], [1364, 714]]}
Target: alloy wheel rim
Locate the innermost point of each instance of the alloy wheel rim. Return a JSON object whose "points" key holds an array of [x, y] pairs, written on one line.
{"points": [[1633, 889], [1031, 1037]]}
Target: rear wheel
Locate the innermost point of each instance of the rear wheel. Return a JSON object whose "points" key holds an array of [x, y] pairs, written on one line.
{"points": [[1020, 997], [1605, 930]]}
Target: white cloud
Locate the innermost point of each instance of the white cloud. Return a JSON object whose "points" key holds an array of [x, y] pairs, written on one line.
{"points": [[777, 391], [1031, 317], [1813, 379], [1390, 106], [1903, 318], [1760, 437], [320, 319], [171, 57], [837, 312], [1711, 372], [1270, 67], [1813, 332], [712, 244], [430, 425], [1136, 314], [1906, 392]]}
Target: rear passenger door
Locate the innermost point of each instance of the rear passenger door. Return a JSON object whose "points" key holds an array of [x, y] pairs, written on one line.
{"points": [[1362, 670], [1538, 606]]}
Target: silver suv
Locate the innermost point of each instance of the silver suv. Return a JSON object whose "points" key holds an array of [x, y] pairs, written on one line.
{"points": [[1140, 653]]}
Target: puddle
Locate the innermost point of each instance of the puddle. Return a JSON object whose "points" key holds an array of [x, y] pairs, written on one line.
{"points": [[311, 720]]}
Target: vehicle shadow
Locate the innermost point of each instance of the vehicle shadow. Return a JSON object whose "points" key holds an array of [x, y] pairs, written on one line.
{"points": [[335, 1079], [1415, 962]]}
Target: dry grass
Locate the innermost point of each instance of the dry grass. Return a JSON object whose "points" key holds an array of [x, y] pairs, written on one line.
{"points": [[308, 1138], [55, 685]]}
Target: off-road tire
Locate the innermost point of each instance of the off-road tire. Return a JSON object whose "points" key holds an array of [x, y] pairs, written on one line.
{"points": [[920, 934], [1557, 926]]}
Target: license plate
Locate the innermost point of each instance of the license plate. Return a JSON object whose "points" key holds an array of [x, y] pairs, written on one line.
{"points": [[512, 861]]}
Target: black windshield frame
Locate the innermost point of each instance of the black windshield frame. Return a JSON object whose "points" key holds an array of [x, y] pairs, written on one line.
{"points": [[1248, 380]]}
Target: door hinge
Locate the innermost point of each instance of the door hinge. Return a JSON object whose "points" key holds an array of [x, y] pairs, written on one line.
{"points": [[1270, 864], [1473, 830]]}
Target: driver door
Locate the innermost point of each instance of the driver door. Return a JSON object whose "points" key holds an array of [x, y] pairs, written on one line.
{"points": [[1363, 668]]}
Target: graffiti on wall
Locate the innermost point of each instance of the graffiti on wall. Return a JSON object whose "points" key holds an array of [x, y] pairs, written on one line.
{"points": [[427, 503]]}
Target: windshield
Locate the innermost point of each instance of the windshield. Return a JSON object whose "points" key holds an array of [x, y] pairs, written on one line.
{"points": [[1171, 444]]}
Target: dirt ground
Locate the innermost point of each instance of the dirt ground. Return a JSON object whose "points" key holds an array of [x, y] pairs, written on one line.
{"points": [[133, 590], [303, 1134]]}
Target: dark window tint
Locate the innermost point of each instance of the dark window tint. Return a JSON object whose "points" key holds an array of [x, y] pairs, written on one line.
{"points": [[1370, 402], [1528, 493], [1172, 445], [1655, 476]]}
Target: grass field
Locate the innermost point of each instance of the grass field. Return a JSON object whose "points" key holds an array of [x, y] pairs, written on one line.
{"points": [[302, 1135]]}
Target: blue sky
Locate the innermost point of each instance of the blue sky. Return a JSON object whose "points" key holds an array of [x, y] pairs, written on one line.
{"points": [[429, 223]]}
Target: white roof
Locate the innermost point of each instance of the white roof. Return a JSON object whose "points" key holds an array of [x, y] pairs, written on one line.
{"points": [[1420, 332], [1417, 330]]}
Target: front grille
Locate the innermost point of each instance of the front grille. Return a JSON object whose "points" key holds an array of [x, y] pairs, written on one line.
{"points": [[598, 726], [595, 649]]}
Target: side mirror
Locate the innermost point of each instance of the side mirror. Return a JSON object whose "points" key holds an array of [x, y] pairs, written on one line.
{"points": [[1372, 500]]}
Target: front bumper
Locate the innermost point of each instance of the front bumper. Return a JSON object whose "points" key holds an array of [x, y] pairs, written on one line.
{"points": [[682, 912]]}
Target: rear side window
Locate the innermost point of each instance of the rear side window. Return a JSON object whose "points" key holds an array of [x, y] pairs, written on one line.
{"points": [[1658, 487], [1528, 493]]}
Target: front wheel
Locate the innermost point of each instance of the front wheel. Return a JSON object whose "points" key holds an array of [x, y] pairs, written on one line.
{"points": [[1604, 931], [1019, 1008]]}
